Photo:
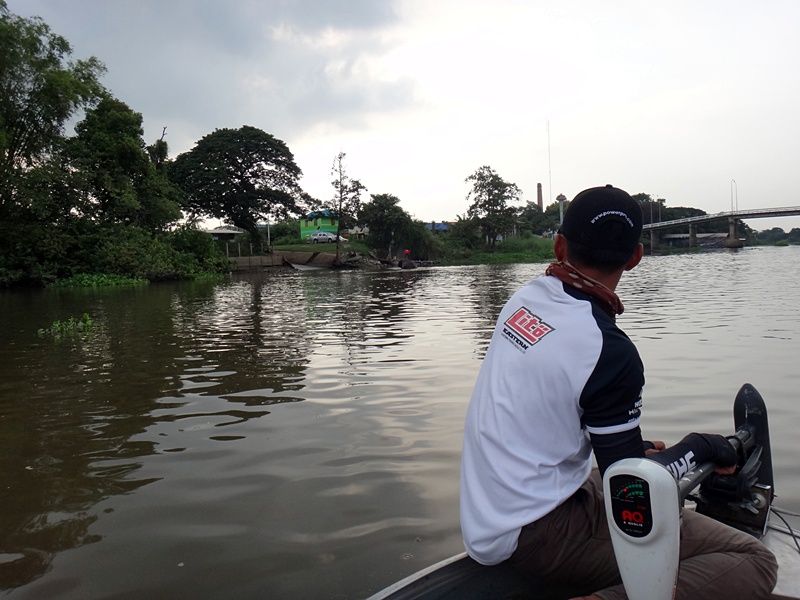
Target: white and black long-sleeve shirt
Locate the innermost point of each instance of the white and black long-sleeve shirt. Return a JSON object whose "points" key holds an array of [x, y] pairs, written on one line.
{"points": [[558, 372]]}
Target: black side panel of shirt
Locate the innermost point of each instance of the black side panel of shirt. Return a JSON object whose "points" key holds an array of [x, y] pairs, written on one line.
{"points": [[612, 393]]}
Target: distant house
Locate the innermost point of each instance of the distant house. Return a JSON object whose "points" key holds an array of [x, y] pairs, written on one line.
{"points": [[358, 233], [224, 233], [435, 227], [321, 220]]}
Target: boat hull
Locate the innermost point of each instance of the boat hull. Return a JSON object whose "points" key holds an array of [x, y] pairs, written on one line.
{"points": [[742, 500], [462, 578]]}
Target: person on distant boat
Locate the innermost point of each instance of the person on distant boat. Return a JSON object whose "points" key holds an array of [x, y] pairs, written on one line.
{"points": [[407, 263], [560, 382]]}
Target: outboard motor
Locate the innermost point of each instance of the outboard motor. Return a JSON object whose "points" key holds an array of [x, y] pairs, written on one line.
{"points": [[644, 517], [644, 502], [742, 500]]}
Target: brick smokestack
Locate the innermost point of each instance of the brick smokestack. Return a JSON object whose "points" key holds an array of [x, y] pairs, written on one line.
{"points": [[539, 196]]}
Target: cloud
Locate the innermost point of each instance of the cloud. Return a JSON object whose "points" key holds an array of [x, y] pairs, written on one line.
{"points": [[675, 100], [196, 66]]}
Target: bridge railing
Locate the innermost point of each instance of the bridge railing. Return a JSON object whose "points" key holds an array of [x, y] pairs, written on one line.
{"points": [[739, 214]]}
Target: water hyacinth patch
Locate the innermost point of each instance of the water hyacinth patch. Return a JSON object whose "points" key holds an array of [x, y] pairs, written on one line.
{"points": [[71, 326]]}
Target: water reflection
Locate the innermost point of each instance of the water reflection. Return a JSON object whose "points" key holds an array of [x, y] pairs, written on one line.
{"points": [[72, 409], [185, 355], [68, 412], [292, 434], [239, 345]]}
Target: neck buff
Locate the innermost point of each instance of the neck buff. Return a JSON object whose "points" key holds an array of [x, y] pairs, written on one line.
{"points": [[571, 276]]}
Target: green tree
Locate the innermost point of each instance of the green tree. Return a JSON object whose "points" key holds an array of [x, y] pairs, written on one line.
{"points": [[38, 236], [158, 152], [241, 176], [387, 222], [420, 241], [772, 236], [286, 232], [537, 221], [40, 90], [491, 203], [653, 209], [346, 201], [119, 181], [309, 203]]}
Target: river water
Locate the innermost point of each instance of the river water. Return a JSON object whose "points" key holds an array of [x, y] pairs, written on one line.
{"points": [[298, 435]]}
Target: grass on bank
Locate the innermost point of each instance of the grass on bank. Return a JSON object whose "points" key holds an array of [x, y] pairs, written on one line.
{"points": [[509, 251], [86, 280], [512, 250], [448, 252]]}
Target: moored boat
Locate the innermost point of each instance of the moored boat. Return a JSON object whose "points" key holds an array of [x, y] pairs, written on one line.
{"points": [[299, 267]]}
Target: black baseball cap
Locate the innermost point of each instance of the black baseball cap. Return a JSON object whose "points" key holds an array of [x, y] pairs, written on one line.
{"points": [[603, 218]]}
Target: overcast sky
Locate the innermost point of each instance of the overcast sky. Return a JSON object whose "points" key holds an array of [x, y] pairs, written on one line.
{"points": [[696, 102]]}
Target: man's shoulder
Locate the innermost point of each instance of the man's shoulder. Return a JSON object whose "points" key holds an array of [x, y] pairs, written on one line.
{"points": [[544, 287]]}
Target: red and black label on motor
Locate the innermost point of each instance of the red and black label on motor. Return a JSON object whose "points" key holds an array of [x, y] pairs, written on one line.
{"points": [[630, 505]]}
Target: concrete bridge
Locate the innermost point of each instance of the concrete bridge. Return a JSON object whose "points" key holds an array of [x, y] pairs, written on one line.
{"points": [[733, 217]]}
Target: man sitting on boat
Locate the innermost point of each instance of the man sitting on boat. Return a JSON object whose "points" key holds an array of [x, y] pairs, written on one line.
{"points": [[560, 382]]}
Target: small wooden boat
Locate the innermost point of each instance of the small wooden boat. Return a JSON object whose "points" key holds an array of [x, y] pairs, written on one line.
{"points": [[388, 262], [717, 496]]}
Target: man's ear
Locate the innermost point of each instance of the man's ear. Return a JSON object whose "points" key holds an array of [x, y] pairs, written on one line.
{"points": [[636, 258]]}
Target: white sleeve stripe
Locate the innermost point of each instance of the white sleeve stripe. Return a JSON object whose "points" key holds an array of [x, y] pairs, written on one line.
{"points": [[613, 428]]}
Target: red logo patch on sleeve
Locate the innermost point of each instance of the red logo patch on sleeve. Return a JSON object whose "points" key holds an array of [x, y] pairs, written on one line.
{"points": [[526, 328]]}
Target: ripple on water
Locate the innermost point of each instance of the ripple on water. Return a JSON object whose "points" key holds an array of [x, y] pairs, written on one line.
{"points": [[284, 436]]}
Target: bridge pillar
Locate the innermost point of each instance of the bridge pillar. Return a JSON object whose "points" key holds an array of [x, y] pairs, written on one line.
{"points": [[654, 240], [733, 240], [692, 236]]}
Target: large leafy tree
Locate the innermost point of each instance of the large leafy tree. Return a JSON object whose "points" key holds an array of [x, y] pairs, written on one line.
{"points": [[388, 223], [538, 222], [40, 90], [655, 210], [40, 232], [465, 233], [491, 199], [159, 153], [241, 176], [119, 182], [652, 208]]}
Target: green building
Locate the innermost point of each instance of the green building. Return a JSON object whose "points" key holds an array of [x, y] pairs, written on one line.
{"points": [[321, 220]]}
